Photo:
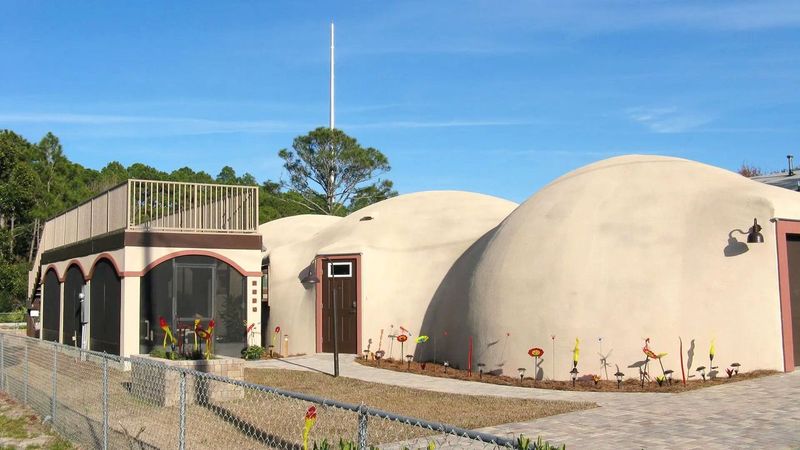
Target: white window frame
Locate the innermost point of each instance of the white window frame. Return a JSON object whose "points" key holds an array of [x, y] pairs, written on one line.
{"points": [[349, 265]]}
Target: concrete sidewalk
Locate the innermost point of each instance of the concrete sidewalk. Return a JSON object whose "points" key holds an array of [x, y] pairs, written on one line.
{"points": [[763, 412]]}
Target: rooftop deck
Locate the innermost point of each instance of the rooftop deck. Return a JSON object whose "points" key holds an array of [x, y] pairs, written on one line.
{"points": [[144, 205]]}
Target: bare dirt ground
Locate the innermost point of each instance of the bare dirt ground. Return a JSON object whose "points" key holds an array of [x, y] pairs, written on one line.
{"points": [[21, 428], [466, 411]]}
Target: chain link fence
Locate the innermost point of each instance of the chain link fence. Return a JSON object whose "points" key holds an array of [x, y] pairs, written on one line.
{"points": [[106, 401]]}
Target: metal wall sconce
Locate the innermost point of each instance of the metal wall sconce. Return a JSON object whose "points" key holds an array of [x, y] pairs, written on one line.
{"points": [[754, 236], [310, 277]]}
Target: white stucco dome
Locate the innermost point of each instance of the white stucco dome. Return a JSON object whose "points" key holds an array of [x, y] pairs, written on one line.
{"points": [[623, 249], [407, 244]]}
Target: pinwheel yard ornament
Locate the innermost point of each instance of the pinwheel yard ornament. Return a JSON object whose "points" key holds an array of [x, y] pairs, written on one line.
{"points": [[167, 332], [535, 353], [310, 420]]}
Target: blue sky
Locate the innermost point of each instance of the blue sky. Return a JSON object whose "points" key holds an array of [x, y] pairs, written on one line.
{"points": [[492, 97]]}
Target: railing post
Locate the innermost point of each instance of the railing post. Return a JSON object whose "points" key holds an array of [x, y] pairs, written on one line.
{"points": [[25, 376], [55, 384], [105, 403], [362, 427], [182, 413]]}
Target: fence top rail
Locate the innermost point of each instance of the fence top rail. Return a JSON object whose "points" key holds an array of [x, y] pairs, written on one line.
{"points": [[140, 180], [189, 183], [362, 409]]}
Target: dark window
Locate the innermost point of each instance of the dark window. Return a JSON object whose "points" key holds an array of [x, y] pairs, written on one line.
{"points": [[104, 302], [51, 309], [341, 269]]}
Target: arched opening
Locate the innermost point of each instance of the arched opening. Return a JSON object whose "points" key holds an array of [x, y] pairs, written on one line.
{"points": [[189, 288], [51, 309], [104, 309], [71, 331]]}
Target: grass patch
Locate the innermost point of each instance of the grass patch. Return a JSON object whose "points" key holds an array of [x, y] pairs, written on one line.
{"points": [[582, 384], [21, 428], [14, 428], [466, 411]]}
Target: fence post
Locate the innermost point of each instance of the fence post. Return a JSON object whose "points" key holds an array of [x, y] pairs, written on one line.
{"points": [[105, 403], [182, 413], [25, 376], [55, 385], [2, 362], [362, 427]]}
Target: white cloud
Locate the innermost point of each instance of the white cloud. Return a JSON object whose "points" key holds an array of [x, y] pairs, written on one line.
{"points": [[667, 119], [441, 124], [122, 125]]}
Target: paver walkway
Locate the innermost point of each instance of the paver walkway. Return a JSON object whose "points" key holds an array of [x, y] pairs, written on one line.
{"points": [[759, 413]]}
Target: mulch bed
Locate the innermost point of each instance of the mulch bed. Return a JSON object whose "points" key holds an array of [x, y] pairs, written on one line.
{"points": [[582, 384]]}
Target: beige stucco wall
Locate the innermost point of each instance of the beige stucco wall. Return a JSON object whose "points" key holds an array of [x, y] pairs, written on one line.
{"points": [[624, 249], [406, 249]]}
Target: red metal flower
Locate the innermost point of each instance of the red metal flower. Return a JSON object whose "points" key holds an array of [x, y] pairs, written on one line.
{"points": [[311, 414], [277, 329], [162, 323], [402, 338], [535, 352]]}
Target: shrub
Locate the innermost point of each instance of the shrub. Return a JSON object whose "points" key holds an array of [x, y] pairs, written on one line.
{"points": [[253, 352]]}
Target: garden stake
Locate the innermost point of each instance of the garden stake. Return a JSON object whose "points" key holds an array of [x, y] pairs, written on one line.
{"points": [[469, 358], [683, 371], [553, 338]]}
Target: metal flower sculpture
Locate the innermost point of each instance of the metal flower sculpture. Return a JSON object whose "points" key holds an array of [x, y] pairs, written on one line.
{"points": [[402, 338], [310, 420], [576, 353], [711, 353], [196, 326], [206, 335], [535, 353], [167, 332], [275, 336]]}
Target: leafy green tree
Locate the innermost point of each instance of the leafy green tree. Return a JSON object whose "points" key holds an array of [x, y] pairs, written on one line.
{"points": [[228, 176], [274, 204], [187, 175], [372, 194], [328, 168]]}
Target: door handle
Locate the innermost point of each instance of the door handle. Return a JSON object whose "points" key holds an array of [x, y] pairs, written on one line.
{"points": [[354, 304]]}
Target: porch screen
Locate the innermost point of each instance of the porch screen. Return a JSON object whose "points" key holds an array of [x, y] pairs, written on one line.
{"points": [[189, 288], [51, 307], [73, 287]]}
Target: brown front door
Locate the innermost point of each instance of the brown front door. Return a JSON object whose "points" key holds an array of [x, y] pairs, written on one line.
{"points": [[339, 290]]}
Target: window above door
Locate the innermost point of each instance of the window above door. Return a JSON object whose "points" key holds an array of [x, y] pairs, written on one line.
{"points": [[340, 269]]}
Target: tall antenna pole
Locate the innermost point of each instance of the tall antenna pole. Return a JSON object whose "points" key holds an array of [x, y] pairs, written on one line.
{"points": [[332, 78]]}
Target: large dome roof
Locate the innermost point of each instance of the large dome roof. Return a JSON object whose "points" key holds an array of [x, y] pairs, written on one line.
{"points": [[627, 248]]}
